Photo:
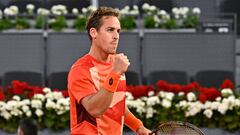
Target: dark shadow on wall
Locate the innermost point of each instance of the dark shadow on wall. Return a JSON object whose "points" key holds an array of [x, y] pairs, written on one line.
{"points": [[232, 6]]}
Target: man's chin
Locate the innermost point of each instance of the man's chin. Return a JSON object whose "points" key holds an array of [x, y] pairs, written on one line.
{"points": [[113, 52]]}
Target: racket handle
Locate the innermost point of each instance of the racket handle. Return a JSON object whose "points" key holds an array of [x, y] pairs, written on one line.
{"points": [[153, 132]]}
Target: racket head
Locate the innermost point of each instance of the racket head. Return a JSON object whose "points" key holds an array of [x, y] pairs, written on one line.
{"points": [[177, 128]]}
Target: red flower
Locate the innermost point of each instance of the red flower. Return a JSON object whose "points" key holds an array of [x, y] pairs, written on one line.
{"points": [[65, 93], [227, 84], [2, 96], [140, 90], [211, 93], [203, 98]]}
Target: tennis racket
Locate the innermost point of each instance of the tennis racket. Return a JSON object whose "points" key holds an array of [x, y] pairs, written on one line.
{"points": [[176, 128]]}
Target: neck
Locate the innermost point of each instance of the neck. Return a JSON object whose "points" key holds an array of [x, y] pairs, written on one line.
{"points": [[98, 55]]}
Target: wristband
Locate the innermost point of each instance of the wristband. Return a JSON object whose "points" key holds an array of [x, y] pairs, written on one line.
{"points": [[111, 82], [132, 122]]}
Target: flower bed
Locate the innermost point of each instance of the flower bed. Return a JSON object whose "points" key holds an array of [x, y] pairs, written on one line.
{"points": [[203, 107], [59, 18]]}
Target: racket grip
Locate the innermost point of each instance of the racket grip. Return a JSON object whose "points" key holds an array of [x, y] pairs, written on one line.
{"points": [[153, 132]]}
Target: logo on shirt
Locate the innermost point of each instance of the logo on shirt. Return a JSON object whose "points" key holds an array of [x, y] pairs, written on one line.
{"points": [[110, 81]]}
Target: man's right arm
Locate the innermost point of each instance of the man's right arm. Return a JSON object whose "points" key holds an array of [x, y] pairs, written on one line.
{"points": [[96, 104]]}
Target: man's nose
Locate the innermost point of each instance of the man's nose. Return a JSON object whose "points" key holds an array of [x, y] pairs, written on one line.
{"points": [[116, 35]]}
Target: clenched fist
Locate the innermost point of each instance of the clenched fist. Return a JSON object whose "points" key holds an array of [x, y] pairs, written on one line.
{"points": [[120, 64]]}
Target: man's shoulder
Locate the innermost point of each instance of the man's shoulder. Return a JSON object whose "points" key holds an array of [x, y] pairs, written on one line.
{"points": [[84, 62]]}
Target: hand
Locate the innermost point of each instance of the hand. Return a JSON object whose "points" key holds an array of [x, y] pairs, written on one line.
{"points": [[143, 131], [120, 64]]}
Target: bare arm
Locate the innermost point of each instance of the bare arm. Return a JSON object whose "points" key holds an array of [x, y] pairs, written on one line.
{"points": [[141, 130], [98, 103]]}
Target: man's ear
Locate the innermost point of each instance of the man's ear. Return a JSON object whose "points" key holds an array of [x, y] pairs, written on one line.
{"points": [[93, 33]]}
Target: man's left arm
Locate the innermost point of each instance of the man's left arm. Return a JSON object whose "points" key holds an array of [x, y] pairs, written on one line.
{"points": [[134, 123]]}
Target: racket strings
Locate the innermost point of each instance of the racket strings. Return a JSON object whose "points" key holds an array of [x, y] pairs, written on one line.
{"points": [[171, 129]]}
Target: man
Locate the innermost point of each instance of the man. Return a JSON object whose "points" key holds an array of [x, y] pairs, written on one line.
{"points": [[27, 126], [97, 84]]}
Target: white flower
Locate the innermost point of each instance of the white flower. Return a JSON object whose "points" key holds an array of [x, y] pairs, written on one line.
{"points": [[59, 10], [25, 108], [226, 92], [149, 112], [29, 113], [135, 7], [12, 105], [162, 94], [36, 104], [39, 97], [129, 96], [30, 8], [50, 104], [8, 12], [145, 6], [151, 93], [162, 12], [84, 10], [46, 90], [14, 9], [207, 105], [218, 99], [156, 19], [214, 105], [237, 103], [196, 10], [6, 115], [39, 112], [92, 8], [151, 101], [16, 112], [152, 8], [166, 103], [191, 96], [25, 102], [45, 12], [193, 108], [75, 11], [183, 104], [181, 94], [138, 104], [169, 96], [63, 101], [17, 98], [208, 113], [175, 10], [222, 108], [57, 95], [2, 104]]}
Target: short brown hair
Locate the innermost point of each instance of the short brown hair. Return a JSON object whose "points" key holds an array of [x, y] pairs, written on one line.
{"points": [[95, 19]]}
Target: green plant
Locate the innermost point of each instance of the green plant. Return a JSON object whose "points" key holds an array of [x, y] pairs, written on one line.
{"points": [[40, 21], [149, 22], [21, 23], [80, 23], [5, 24], [191, 21], [169, 24], [58, 23], [128, 22]]}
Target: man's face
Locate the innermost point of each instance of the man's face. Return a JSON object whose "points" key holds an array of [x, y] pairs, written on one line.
{"points": [[107, 36]]}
